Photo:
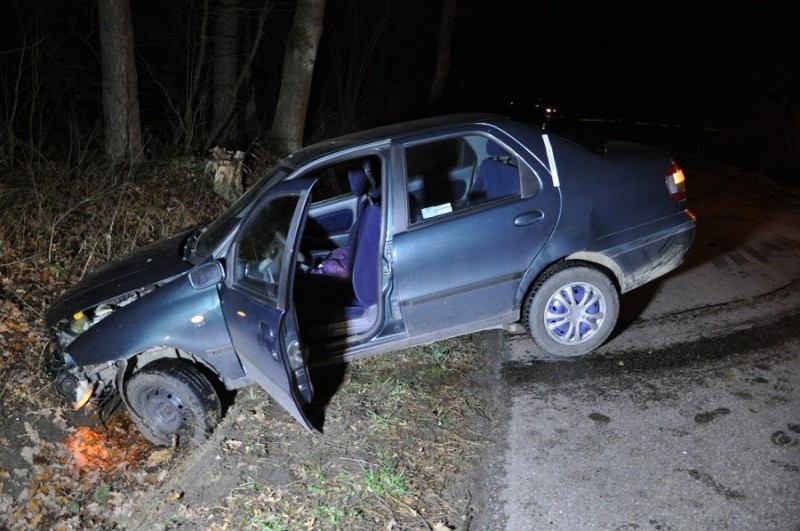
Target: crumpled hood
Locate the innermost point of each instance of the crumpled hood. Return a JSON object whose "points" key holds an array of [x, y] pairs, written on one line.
{"points": [[156, 262]]}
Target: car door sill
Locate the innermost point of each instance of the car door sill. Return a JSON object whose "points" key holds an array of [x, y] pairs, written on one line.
{"points": [[393, 344]]}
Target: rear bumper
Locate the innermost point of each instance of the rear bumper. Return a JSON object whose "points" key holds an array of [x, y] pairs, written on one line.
{"points": [[652, 256]]}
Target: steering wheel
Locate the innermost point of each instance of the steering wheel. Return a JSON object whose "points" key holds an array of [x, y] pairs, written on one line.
{"points": [[269, 267]]}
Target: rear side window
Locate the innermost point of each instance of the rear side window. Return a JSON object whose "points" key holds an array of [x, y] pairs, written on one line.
{"points": [[439, 157], [456, 173]]}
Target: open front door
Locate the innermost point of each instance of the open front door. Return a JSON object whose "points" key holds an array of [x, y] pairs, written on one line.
{"points": [[257, 296]]}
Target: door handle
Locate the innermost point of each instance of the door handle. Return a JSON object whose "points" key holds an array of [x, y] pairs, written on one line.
{"points": [[528, 218]]}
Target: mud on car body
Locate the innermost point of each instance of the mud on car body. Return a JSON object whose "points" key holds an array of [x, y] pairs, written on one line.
{"points": [[369, 243]]}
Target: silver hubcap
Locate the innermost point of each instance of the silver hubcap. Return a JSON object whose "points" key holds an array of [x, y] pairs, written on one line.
{"points": [[574, 313]]}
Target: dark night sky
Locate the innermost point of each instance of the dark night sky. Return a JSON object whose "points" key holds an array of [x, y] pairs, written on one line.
{"points": [[668, 60], [710, 62]]}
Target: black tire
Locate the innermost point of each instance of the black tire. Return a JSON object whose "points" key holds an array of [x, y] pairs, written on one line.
{"points": [[571, 310], [173, 403]]}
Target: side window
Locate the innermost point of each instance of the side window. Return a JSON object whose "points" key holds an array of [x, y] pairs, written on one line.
{"points": [[259, 258], [456, 173], [342, 192], [498, 175], [337, 180]]}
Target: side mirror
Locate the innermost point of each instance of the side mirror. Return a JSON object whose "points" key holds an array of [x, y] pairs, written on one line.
{"points": [[205, 275]]}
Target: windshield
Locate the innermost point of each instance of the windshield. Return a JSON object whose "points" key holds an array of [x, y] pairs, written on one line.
{"points": [[216, 232]]}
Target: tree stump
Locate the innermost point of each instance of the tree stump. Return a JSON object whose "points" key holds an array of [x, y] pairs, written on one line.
{"points": [[226, 167]]}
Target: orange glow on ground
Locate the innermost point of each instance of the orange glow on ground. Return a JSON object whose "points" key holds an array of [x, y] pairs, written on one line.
{"points": [[110, 447], [87, 447]]}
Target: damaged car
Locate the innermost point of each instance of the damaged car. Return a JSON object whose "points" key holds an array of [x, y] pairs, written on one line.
{"points": [[369, 243]]}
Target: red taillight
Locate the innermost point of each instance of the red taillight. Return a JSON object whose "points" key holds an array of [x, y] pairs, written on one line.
{"points": [[676, 182]]}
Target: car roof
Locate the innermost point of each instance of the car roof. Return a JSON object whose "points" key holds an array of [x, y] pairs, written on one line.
{"points": [[368, 136]]}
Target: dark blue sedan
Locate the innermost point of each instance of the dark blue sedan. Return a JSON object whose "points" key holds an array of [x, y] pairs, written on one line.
{"points": [[369, 243]]}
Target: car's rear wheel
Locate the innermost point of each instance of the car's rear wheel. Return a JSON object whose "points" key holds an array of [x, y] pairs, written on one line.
{"points": [[571, 310], [173, 403]]}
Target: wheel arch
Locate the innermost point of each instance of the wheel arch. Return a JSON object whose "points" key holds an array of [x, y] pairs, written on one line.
{"points": [[139, 361], [599, 261], [170, 396], [602, 262], [136, 363]]}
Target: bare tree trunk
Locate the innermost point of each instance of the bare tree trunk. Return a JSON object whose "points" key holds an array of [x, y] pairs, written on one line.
{"points": [[249, 122], [225, 68], [359, 67], [123, 135], [194, 104], [298, 70], [244, 71], [443, 53]]}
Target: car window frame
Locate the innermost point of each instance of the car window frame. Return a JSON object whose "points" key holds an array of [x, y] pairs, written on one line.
{"points": [[239, 278], [529, 186], [214, 236]]}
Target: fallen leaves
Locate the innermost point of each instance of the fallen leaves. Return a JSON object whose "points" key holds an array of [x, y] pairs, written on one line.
{"points": [[15, 331], [97, 476], [49, 238], [84, 480], [175, 495], [89, 448], [159, 457], [28, 452]]}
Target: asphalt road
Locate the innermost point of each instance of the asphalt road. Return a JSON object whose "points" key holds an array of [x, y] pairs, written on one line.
{"points": [[689, 418]]}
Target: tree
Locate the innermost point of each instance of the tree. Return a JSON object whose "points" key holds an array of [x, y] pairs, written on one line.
{"points": [[225, 67], [298, 70], [357, 88], [443, 53], [229, 89], [123, 136]]}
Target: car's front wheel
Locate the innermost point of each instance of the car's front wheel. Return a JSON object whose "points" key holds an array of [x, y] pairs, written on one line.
{"points": [[571, 310], [173, 403]]}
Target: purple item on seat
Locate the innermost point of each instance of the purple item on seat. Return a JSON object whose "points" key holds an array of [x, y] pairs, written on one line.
{"points": [[334, 265]]}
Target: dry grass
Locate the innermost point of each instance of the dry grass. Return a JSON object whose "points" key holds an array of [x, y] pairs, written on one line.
{"points": [[401, 431], [401, 436], [73, 223], [57, 223]]}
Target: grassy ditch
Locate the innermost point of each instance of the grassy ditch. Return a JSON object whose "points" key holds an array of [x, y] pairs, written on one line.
{"points": [[401, 436], [401, 431]]}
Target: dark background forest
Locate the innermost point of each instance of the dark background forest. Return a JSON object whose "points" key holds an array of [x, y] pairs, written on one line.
{"points": [[728, 66], [82, 182]]}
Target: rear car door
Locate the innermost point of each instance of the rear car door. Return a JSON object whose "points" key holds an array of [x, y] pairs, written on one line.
{"points": [[257, 296], [477, 216]]}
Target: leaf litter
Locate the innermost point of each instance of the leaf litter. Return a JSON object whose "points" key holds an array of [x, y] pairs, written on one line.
{"points": [[402, 431]]}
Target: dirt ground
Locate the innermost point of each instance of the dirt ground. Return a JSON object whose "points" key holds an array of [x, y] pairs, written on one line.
{"points": [[401, 448], [402, 436]]}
